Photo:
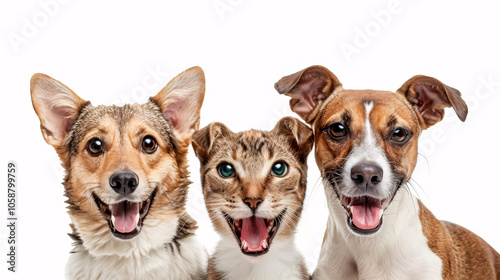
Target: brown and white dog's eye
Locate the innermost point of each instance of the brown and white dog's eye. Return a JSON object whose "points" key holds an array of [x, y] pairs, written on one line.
{"points": [[94, 146], [337, 130], [400, 136], [149, 144]]}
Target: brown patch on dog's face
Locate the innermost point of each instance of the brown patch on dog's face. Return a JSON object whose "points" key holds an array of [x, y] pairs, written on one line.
{"points": [[366, 141], [390, 112], [254, 180]]}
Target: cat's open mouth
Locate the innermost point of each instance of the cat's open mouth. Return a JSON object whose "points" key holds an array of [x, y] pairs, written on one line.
{"points": [[125, 218], [254, 234]]}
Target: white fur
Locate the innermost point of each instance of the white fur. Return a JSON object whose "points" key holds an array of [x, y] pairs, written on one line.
{"points": [[368, 151], [283, 261], [145, 257], [398, 251]]}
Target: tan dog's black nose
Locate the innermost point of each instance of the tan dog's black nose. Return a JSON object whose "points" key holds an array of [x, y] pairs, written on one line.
{"points": [[366, 175], [124, 182], [253, 202]]}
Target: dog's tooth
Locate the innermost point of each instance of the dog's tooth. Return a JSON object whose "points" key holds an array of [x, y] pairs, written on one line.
{"points": [[264, 243]]}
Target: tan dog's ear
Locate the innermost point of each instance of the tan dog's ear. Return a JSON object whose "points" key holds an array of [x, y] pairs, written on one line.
{"points": [[203, 140], [298, 134], [180, 102], [56, 105], [308, 89], [429, 96]]}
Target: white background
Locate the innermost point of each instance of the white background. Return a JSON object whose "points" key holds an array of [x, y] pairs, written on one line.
{"points": [[104, 50]]}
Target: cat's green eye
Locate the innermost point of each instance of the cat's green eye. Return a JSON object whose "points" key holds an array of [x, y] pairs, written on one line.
{"points": [[279, 169], [226, 170]]}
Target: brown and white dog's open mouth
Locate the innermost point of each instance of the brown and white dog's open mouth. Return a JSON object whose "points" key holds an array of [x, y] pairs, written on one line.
{"points": [[125, 218], [364, 213], [254, 234]]}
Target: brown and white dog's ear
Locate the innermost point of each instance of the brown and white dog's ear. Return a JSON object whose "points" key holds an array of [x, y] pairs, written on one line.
{"points": [[308, 89], [298, 134], [180, 102], [56, 105], [203, 140], [430, 96]]}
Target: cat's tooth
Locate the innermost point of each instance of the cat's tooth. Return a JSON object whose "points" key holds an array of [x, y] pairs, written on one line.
{"points": [[113, 219], [243, 244], [264, 243], [137, 218], [380, 213]]}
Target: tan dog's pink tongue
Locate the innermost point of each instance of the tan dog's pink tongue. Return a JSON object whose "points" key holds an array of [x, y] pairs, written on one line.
{"points": [[253, 233], [365, 216], [124, 216]]}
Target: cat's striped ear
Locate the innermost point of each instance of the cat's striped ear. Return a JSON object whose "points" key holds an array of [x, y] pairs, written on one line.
{"points": [[206, 139], [298, 135]]}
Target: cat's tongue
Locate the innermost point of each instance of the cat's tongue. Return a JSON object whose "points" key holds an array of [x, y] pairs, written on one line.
{"points": [[366, 214], [254, 234], [125, 216]]}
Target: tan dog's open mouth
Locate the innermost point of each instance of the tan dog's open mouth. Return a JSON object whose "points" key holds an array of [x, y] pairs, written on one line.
{"points": [[254, 234], [125, 218], [364, 213]]}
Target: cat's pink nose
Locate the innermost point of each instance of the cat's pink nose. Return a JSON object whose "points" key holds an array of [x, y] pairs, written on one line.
{"points": [[253, 202]]}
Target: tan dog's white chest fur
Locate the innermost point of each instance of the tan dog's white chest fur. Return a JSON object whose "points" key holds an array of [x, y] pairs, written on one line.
{"points": [[163, 263], [366, 146]]}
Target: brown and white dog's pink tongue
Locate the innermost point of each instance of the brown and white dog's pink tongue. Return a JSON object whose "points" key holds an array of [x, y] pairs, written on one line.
{"points": [[366, 214], [125, 216], [254, 234]]}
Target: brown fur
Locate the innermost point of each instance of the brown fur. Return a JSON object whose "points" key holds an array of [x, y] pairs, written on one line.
{"points": [[318, 97], [468, 251], [69, 123], [253, 153]]}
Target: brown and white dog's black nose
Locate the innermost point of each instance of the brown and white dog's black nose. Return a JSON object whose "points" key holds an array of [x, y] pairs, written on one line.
{"points": [[124, 182], [366, 175]]}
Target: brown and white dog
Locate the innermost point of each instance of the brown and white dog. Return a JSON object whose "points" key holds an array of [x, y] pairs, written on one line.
{"points": [[127, 179], [366, 150]]}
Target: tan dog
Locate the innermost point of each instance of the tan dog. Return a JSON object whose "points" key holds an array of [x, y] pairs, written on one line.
{"points": [[254, 183], [366, 150], [127, 179]]}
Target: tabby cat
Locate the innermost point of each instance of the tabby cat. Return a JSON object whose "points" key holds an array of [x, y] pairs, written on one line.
{"points": [[254, 184]]}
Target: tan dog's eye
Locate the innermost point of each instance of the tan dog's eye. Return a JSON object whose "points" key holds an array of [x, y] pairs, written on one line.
{"points": [[94, 146], [337, 130], [149, 144], [400, 136]]}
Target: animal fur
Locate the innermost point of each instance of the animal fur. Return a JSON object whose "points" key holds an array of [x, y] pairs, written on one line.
{"points": [[229, 200], [96, 142]]}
